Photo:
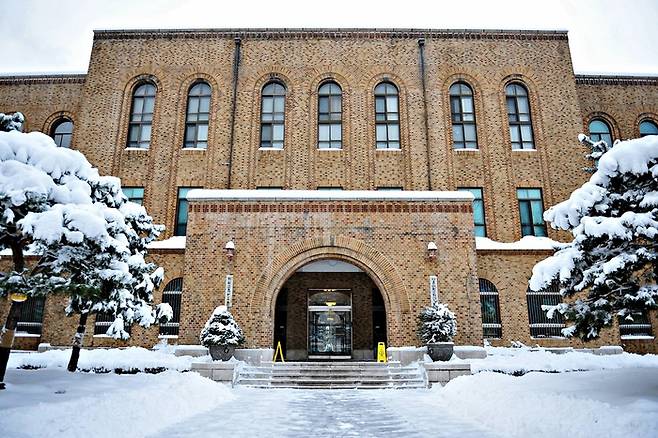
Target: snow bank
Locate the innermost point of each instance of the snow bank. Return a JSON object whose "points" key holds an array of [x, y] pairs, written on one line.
{"points": [[176, 242], [526, 243], [524, 360], [60, 404], [132, 358], [612, 403]]}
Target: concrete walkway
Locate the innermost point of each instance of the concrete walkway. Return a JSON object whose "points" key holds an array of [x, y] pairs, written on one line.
{"points": [[327, 413]]}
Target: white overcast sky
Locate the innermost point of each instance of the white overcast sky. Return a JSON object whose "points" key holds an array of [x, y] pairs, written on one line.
{"points": [[606, 36]]}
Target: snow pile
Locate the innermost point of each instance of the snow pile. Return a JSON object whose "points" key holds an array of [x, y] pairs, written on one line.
{"points": [[104, 405], [611, 403], [100, 359], [523, 360], [221, 329], [526, 243]]}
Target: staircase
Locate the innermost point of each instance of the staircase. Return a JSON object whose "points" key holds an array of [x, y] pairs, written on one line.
{"points": [[332, 375]]}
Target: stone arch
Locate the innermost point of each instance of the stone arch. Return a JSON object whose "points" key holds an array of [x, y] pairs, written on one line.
{"points": [[615, 132], [382, 272]]}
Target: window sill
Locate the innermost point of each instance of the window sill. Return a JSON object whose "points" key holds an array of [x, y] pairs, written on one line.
{"points": [[26, 335], [194, 149], [330, 149], [524, 150], [467, 150], [102, 336], [637, 337], [270, 149], [558, 338], [167, 336], [137, 149], [389, 150]]}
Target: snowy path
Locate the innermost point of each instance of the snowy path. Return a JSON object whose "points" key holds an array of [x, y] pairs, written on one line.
{"points": [[327, 413]]}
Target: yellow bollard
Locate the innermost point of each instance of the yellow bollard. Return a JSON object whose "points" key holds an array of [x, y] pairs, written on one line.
{"points": [[278, 352], [381, 352]]}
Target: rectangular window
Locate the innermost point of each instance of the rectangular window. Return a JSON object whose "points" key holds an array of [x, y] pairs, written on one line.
{"points": [[330, 188], [540, 325], [638, 325], [478, 210], [31, 316], [103, 323], [181, 211], [390, 189], [134, 194], [531, 211]]}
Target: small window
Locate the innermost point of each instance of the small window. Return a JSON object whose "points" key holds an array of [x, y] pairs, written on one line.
{"points": [[647, 127], [490, 306], [269, 188], [62, 133], [464, 135], [330, 188], [272, 115], [141, 116], [172, 295], [31, 316], [531, 209], [387, 116], [600, 130], [182, 210], [478, 210], [330, 115], [390, 189], [540, 325], [134, 194], [518, 113], [637, 324], [197, 116]]}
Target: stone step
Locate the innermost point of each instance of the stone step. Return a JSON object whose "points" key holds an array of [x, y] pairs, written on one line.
{"points": [[329, 372]]}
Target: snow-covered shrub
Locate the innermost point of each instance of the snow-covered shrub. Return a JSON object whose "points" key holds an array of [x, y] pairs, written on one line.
{"points": [[436, 324], [611, 266], [221, 329]]}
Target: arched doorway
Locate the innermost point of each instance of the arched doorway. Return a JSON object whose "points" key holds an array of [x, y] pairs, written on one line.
{"points": [[329, 309]]}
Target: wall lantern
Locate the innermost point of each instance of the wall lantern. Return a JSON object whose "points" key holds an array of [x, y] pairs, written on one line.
{"points": [[431, 250], [229, 249]]}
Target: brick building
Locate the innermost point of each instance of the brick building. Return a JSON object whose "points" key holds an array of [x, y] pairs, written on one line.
{"points": [[354, 154]]}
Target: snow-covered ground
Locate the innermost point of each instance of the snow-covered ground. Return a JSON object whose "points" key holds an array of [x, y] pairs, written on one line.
{"points": [[618, 397]]}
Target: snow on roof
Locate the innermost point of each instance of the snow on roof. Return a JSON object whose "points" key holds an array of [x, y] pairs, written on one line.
{"points": [[176, 242], [326, 195], [526, 243]]}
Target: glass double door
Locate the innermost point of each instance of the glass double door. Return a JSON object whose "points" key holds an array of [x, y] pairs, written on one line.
{"points": [[329, 323]]}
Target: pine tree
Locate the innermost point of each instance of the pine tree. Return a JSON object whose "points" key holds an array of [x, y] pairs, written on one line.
{"points": [[436, 324], [610, 268]]}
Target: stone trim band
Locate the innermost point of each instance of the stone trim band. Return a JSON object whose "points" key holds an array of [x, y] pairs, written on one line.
{"points": [[333, 33], [78, 78], [334, 207], [616, 80]]}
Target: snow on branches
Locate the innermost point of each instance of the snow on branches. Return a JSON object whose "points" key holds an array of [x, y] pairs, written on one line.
{"points": [[87, 236], [612, 259], [436, 324], [221, 329]]}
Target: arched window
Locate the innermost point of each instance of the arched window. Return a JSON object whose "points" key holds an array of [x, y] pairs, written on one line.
{"points": [[30, 317], [518, 113], [600, 130], [171, 295], [272, 115], [541, 326], [330, 116], [62, 132], [464, 135], [490, 305], [387, 116], [197, 116], [141, 116], [647, 127]]}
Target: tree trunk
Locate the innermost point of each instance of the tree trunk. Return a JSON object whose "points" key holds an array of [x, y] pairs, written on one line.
{"points": [[77, 343], [7, 335]]}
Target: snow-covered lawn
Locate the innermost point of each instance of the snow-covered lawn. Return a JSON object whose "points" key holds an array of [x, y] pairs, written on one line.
{"points": [[618, 397]]}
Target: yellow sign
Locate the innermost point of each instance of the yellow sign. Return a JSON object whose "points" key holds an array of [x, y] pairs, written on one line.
{"points": [[278, 352], [381, 352], [17, 297]]}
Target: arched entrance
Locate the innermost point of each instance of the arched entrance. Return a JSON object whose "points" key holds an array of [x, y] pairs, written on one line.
{"points": [[329, 309]]}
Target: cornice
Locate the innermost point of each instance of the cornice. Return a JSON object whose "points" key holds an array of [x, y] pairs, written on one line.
{"points": [[616, 80], [43, 79]]}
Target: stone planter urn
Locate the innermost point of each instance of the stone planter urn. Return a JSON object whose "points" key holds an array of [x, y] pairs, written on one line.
{"points": [[221, 352], [440, 351]]}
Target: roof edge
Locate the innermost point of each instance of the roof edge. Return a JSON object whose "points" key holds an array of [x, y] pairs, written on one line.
{"points": [[77, 78], [331, 33], [326, 195], [616, 80]]}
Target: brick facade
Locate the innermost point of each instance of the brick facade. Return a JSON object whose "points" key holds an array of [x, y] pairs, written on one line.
{"points": [[561, 105]]}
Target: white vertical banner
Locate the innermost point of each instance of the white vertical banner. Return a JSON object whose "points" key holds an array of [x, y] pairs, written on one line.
{"points": [[228, 292], [434, 290]]}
